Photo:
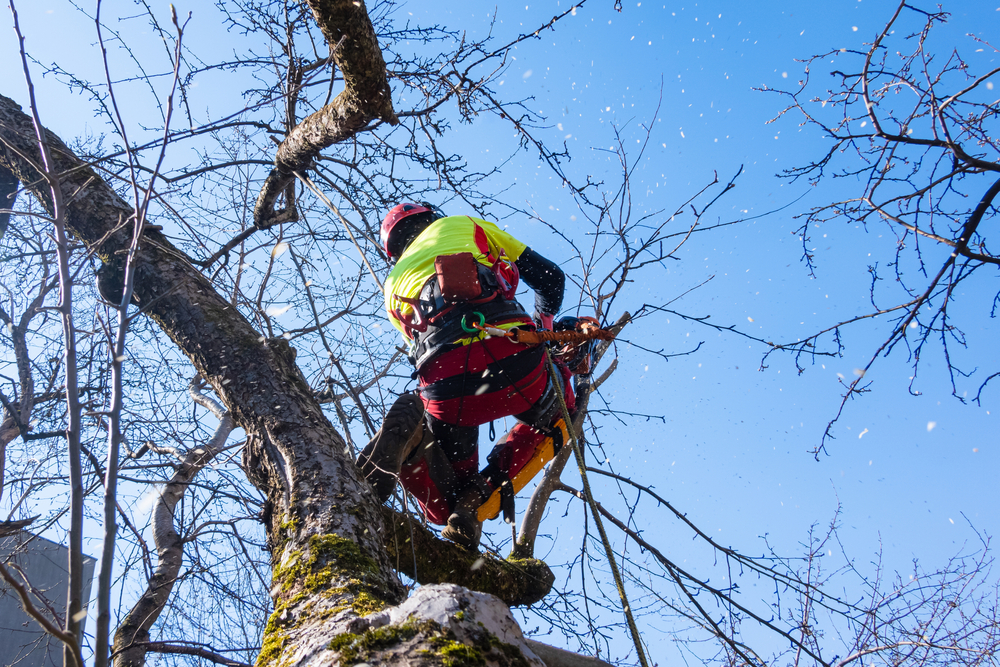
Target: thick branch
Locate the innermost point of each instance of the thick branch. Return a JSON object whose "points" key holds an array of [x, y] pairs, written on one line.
{"points": [[557, 657], [199, 651], [420, 555], [366, 97]]}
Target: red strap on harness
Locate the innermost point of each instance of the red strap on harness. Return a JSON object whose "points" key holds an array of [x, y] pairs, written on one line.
{"points": [[506, 271], [482, 242], [411, 323]]}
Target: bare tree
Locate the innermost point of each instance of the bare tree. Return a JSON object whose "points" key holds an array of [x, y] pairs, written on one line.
{"points": [[912, 124], [324, 531], [261, 276]]}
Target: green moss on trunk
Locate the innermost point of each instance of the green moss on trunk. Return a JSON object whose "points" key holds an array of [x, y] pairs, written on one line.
{"points": [[445, 650], [353, 647], [312, 574], [327, 557]]}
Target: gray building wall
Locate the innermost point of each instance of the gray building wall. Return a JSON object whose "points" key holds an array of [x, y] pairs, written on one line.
{"points": [[22, 641]]}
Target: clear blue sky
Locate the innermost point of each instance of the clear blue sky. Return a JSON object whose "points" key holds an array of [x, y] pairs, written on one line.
{"points": [[733, 452]]}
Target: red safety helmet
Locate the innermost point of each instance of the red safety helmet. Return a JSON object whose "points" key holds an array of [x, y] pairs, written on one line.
{"points": [[398, 214]]}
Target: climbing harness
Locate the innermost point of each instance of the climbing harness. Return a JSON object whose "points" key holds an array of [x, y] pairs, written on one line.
{"points": [[474, 326]]}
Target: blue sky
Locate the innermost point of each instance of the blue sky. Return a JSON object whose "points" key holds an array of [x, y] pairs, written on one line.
{"points": [[910, 473], [736, 441]]}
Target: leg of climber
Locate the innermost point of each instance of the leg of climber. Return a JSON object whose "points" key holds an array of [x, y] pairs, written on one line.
{"points": [[464, 527], [521, 444], [438, 470], [401, 433], [430, 479], [442, 476], [462, 389], [461, 446], [547, 410]]}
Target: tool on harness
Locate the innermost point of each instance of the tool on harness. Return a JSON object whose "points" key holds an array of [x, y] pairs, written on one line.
{"points": [[458, 277], [578, 356], [586, 329], [573, 340], [415, 322]]}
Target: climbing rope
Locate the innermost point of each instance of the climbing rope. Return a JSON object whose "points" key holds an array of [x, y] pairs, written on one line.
{"points": [[581, 464]]}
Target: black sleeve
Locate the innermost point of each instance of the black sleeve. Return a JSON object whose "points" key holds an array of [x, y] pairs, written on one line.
{"points": [[545, 278]]}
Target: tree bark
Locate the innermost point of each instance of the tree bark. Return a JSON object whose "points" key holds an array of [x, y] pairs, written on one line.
{"points": [[8, 192], [420, 555], [366, 96]]}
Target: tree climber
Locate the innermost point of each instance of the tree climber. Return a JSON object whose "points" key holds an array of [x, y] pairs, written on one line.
{"points": [[452, 276]]}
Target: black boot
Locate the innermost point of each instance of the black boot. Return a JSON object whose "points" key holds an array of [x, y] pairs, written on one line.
{"points": [[464, 527], [402, 431]]}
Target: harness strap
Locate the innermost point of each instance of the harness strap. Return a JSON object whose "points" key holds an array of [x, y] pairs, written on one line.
{"points": [[522, 367], [449, 329]]}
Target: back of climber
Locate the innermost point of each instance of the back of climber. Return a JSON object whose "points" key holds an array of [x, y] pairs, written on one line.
{"points": [[453, 275]]}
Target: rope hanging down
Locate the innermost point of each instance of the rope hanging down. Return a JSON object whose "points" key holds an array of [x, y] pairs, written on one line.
{"points": [[581, 464]]}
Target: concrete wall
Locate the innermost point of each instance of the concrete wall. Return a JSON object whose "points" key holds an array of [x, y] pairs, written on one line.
{"points": [[22, 641]]}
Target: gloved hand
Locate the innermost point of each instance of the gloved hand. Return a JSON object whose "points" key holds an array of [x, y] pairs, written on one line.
{"points": [[544, 321], [566, 323]]}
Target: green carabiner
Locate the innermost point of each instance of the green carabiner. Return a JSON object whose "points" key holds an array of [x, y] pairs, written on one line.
{"points": [[482, 321]]}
